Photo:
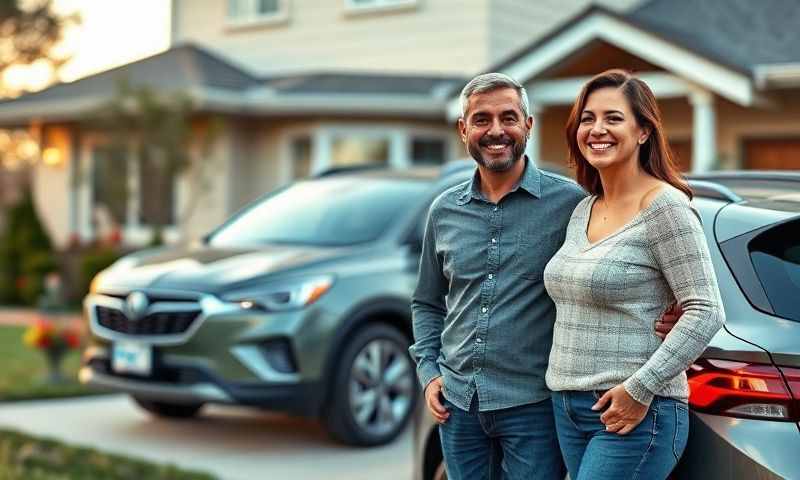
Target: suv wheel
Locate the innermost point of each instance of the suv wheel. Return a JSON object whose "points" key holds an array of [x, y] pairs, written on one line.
{"points": [[374, 389], [169, 410]]}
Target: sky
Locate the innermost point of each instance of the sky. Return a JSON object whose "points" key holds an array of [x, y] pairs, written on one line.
{"points": [[111, 33]]}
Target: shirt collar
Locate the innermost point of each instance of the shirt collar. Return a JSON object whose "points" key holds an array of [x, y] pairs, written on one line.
{"points": [[530, 182]]}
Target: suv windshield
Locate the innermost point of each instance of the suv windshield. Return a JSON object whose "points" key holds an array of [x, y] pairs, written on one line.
{"points": [[325, 212]]}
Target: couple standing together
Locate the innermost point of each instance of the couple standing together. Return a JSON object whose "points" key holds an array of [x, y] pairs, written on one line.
{"points": [[536, 306]]}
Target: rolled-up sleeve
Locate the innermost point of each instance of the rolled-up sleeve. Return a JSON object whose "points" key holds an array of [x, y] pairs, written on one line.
{"points": [[428, 306], [679, 247]]}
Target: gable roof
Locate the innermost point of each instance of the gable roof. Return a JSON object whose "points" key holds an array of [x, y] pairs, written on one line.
{"points": [[739, 33], [629, 33]]}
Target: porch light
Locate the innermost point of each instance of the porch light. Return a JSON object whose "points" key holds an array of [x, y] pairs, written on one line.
{"points": [[52, 157]]}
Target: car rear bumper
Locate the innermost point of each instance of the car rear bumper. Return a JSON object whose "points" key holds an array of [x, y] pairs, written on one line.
{"points": [[728, 448]]}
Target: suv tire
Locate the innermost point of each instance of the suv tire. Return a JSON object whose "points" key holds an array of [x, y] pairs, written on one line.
{"points": [[366, 409], [169, 410]]}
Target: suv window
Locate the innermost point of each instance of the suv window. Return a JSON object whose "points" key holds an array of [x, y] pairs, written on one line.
{"points": [[325, 212], [776, 258]]}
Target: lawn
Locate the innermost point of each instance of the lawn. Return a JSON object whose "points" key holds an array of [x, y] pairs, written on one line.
{"points": [[27, 458], [23, 371]]}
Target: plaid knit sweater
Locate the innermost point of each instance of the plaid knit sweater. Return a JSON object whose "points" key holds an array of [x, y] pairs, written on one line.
{"points": [[609, 294]]}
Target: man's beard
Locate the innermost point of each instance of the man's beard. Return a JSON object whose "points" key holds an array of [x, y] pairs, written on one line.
{"points": [[497, 164]]}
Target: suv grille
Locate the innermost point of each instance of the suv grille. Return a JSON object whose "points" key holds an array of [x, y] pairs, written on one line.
{"points": [[161, 323]]}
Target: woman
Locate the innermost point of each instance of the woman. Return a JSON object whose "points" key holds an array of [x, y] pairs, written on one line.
{"points": [[632, 248]]}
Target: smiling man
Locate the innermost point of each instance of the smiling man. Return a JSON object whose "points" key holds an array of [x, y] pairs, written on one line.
{"points": [[483, 322]]}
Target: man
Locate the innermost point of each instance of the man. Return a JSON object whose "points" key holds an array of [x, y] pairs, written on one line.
{"points": [[482, 319]]}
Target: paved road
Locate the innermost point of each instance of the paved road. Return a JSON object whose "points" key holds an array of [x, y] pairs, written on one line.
{"points": [[231, 443]]}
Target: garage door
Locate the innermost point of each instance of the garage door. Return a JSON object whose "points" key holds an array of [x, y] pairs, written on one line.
{"points": [[775, 154]]}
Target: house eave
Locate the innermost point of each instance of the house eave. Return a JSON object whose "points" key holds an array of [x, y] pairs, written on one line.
{"points": [[777, 76]]}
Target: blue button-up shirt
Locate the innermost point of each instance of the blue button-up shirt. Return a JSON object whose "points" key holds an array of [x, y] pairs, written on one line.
{"points": [[482, 319]]}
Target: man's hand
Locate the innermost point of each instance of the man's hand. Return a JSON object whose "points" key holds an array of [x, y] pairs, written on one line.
{"points": [[666, 323], [432, 400], [624, 413]]}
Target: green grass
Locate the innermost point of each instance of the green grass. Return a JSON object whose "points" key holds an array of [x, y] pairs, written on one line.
{"points": [[23, 371], [27, 458]]}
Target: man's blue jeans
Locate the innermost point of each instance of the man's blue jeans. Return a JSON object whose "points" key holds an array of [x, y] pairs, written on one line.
{"points": [[650, 451], [513, 443]]}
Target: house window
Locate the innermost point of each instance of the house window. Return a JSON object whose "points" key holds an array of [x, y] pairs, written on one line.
{"points": [[256, 11], [129, 192], [358, 150], [428, 151], [157, 187], [110, 193], [372, 5], [301, 157]]}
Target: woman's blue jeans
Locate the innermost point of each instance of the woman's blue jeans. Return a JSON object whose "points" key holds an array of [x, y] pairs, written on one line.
{"points": [[650, 451]]}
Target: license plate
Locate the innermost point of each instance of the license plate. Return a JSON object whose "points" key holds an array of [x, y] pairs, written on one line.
{"points": [[132, 357]]}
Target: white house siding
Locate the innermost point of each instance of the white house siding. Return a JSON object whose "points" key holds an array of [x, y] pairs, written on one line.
{"points": [[51, 187], [434, 36], [513, 24], [200, 213]]}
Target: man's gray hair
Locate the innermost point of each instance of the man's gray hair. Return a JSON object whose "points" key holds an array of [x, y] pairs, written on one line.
{"points": [[493, 81]]}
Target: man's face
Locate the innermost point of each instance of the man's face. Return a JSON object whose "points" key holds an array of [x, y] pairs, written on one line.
{"points": [[494, 129]]}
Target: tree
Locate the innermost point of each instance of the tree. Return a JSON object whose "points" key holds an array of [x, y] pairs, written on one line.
{"points": [[164, 134], [30, 32]]}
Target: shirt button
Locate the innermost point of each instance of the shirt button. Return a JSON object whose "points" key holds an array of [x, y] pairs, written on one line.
{"points": [[491, 276], [495, 209], [478, 340], [484, 309], [494, 240]]}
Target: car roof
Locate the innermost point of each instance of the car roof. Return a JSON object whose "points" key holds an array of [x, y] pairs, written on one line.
{"points": [[773, 190]]}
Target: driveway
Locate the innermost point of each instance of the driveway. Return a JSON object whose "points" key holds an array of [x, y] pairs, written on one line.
{"points": [[232, 443]]}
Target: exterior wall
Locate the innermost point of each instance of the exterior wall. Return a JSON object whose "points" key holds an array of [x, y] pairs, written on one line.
{"points": [[433, 36], [734, 125], [205, 189], [514, 24], [51, 187]]}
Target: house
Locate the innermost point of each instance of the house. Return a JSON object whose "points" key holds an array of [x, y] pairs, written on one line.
{"points": [[304, 85], [726, 74]]}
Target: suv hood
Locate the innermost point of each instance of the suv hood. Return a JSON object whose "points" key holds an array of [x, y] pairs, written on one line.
{"points": [[207, 269]]}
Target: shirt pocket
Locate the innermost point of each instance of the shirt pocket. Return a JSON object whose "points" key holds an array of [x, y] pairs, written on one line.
{"points": [[533, 251]]}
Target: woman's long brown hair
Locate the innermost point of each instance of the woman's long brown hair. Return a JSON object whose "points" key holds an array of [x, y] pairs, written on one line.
{"points": [[655, 156]]}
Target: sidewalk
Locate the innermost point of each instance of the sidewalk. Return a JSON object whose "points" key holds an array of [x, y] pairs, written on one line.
{"points": [[26, 316]]}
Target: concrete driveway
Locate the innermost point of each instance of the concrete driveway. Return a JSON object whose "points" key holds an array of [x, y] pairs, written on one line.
{"points": [[232, 443]]}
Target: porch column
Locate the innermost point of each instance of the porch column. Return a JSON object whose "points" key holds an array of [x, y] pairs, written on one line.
{"points": [[704, 131], [534, 146]]}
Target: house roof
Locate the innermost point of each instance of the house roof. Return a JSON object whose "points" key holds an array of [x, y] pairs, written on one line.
{"points": [[182, 67], [739, 33], [361, 83], [218, 85]]}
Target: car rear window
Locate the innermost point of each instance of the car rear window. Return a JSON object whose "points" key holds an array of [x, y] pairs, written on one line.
{"points": [[775, 254]]}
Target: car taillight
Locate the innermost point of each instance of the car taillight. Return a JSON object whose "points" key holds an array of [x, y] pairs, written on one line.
{"points": [[747, 390]]}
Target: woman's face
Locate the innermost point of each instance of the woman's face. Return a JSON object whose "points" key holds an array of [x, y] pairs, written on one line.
{"points": [[608, 133]]}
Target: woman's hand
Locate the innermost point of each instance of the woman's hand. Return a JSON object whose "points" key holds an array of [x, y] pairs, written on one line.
{"points": [[623, 414]]}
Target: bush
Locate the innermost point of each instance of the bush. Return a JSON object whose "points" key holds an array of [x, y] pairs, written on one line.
{"points": [[26, 254], [92, 263]]}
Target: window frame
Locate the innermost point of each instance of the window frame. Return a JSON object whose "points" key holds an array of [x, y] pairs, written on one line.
{"points": [[353, 8], [399, 136], [254, 19], [134, 232]]}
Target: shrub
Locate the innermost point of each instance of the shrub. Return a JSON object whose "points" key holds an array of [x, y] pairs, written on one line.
{"points": [[92, 263]]}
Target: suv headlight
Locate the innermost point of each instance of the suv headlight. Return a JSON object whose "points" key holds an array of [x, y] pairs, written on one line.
{"points": [[294, 294]]}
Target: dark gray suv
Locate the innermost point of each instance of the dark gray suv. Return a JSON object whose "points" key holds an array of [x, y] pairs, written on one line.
{"points": [[300, 303], [745, 389]]}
